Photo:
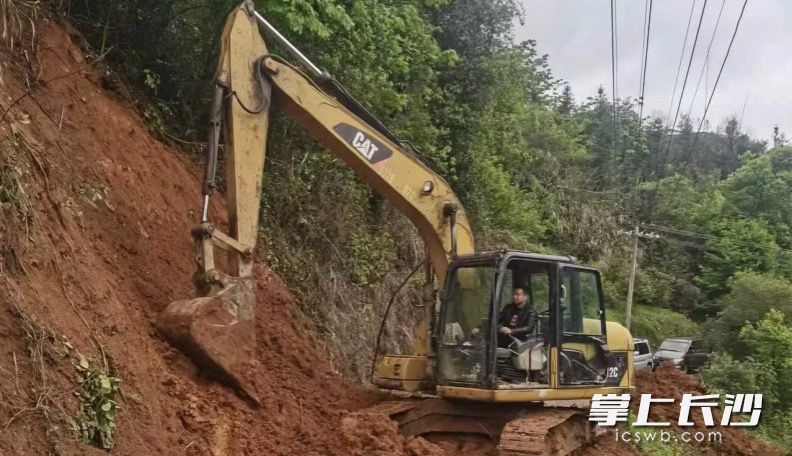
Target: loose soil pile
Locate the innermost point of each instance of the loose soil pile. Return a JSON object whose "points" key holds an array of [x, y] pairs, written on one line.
{"points": [[94, 243], [668, 382]]}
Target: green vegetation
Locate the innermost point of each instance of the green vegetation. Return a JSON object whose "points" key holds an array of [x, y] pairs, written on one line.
{"points": [[92, 417], [97, 392], [657, 324], [767, 369], [535, 168]]}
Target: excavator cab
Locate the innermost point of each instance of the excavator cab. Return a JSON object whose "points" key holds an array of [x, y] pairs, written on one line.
{"points": [[568, 349]]}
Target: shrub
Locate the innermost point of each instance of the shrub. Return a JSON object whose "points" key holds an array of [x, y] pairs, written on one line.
{"points": [[726, 375], [656, 323]]}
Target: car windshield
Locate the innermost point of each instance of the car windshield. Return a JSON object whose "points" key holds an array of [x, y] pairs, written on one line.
{"points": [[674, 345]]}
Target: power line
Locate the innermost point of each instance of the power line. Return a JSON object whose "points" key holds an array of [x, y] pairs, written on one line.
{"points": [[717, 79], [692, 146], [708, 237], [642, 89], [706, 58], [687, 74], [742, 114], [643, 44], [679, 65], [783, 255], [645, 55], [656, 165], [681, 95], [614, 70]]}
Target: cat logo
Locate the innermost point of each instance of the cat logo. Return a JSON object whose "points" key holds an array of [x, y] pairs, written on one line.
{"points": [[364, 145], [370, 148]]}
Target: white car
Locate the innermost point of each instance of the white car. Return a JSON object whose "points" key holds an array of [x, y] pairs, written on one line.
{"points": [[643, 357]]}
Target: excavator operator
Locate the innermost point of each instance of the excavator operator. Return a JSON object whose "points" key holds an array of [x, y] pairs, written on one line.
{"points": [[518, 319]]}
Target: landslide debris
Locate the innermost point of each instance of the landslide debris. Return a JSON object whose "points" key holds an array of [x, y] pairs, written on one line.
{"points": [[94, 243]]}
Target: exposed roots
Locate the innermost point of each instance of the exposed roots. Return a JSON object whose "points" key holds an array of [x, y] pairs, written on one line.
{"points": [[17, 19]]}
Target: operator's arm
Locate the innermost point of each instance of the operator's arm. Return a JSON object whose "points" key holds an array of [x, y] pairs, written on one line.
{"points": [[530, 323], [503, 318]]}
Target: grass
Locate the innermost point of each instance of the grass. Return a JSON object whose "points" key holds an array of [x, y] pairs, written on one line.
{"points": [[94, 194], [92, 385], [13, 172], [17, 17], [44, 349]]}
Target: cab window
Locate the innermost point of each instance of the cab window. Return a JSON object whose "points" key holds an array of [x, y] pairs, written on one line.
{"points": [[580, 302], [540, 291], [534, 277]]}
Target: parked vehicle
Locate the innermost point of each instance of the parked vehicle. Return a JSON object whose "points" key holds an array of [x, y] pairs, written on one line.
{"points": [[684, 353], [643, 356]]}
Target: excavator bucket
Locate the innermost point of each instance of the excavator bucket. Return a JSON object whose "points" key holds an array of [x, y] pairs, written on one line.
{"points": [[218, 332]]}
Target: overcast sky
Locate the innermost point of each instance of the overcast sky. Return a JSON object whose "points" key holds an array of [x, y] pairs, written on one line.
{"points": [[576, 35]]}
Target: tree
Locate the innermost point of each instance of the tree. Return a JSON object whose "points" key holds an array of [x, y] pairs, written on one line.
{"points": [[725, 375], [750, 297], [779, 138], [770, 342], [761, 189], [740, 245], [566, 101]]}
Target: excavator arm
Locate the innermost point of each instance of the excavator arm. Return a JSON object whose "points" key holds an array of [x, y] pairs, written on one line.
{"points": [[218, 328], [410, 186]]}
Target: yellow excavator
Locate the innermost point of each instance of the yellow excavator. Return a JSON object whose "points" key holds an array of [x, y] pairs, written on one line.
{"points": [[519, 389]]}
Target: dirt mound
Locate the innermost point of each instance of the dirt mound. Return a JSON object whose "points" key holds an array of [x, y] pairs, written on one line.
{"points": [[375, 434], [669, 382], [94, 243]]}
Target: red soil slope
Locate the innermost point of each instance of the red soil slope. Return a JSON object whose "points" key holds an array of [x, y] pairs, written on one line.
{"points": [[105, 248]]}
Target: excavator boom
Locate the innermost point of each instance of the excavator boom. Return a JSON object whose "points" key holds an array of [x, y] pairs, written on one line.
{"points": [[218, 328]]}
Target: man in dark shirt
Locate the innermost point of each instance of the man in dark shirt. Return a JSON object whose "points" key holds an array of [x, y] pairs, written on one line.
{"points": [[517, 319]]}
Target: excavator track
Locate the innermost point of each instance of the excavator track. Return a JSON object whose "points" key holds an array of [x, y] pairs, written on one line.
{"points": [[518, 429], [545, 432]]}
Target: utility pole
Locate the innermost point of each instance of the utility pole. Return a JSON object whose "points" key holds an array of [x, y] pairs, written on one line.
{"points": [[635, 234], [631, 283]]}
